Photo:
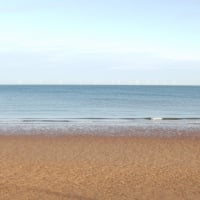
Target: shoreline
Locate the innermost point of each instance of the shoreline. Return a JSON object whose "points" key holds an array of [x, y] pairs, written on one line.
{"points": [[103, 131]]}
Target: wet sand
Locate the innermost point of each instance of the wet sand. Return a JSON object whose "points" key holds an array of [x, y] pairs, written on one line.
{"points": [[99, 168]]}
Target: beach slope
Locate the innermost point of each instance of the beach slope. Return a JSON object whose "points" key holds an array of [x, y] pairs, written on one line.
{"points": [[97, 167]]}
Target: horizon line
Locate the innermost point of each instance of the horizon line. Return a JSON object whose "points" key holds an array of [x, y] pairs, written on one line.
{"points": [[90, 84]]}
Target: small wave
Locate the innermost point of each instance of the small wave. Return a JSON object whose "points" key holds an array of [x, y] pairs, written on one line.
{"points": [[156, 118], [44, 120], [92, 119], [171, 118], [187, 118]]}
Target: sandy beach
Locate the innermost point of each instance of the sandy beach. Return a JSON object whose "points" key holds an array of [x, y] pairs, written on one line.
{"points": [[99, 168]]}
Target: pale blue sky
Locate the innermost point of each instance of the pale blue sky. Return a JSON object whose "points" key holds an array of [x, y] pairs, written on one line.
{"points": [[100, 41]]}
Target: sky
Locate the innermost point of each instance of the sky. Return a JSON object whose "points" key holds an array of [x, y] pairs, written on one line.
{"points": [[100, 42]]}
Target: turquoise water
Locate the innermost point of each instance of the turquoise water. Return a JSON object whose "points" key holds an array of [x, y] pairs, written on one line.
{"points": [[85, 104]]}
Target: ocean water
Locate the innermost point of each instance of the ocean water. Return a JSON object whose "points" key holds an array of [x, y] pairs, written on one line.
{"points": [[138, 105]]}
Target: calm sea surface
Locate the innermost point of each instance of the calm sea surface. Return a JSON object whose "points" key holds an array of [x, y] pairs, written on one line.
{"points": [[62, 104]]}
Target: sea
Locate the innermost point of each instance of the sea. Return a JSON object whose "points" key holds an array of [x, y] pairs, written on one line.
{"points": [[81, 107]]}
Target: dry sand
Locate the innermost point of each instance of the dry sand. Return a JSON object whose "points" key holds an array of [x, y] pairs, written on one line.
{"points": [[99, 168]]}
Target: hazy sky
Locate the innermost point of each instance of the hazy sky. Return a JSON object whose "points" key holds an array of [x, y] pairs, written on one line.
{"points": [[100, 41]]}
